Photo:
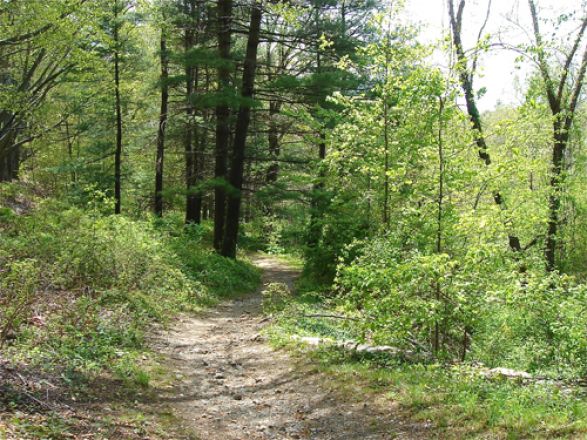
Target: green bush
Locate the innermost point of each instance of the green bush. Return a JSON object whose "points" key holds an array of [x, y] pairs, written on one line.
{"points": [[472, 307], [275, 297], [18, 284], [103, 278]]}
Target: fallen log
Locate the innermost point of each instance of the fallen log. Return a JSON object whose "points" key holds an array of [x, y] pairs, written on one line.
{"points": [[353, 346], [507, 373], [357, 347]]}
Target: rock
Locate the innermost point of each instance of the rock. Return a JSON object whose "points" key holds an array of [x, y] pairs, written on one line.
{"points": [[219, 376]]}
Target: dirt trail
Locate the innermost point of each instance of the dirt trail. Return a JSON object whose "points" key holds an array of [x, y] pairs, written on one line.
{"points": [[233, 385]]}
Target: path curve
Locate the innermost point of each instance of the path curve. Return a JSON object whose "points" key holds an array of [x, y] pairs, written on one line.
{"points": [[233, 386]]}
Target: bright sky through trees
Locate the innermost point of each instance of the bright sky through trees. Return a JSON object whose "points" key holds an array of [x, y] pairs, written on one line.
{"points": [[501, 77]]}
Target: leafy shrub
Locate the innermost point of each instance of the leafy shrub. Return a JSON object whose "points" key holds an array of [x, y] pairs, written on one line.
{"points": [[275, 297], [336, 229], [541, 326], [221, 276], [18, 284], [104, 278], [467, 308], [6, 214]]}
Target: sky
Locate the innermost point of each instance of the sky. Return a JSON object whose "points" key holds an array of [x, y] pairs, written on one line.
{"points": [[510, 19]]}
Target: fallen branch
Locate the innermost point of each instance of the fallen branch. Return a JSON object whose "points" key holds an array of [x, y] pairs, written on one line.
{"points": [[493, 373], [508, 373], [323, 315], [355, 346]]}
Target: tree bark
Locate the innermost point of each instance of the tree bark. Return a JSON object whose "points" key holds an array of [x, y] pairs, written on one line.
{"points": [[193, 201], [158, 205], [118, 110], [273, 139], [386, 159], [240, 136], [222, 119], [317, 204], [273, 131], [12, 123], [436, 344], [9, 159]]}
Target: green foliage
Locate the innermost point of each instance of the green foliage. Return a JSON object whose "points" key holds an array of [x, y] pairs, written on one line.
{"points": [[539, 326], [536, 325], [221, 276], [275, 297], [97, 280], [407, 233], [360, 157], [6, 214], [459, 403], [18, 285]]}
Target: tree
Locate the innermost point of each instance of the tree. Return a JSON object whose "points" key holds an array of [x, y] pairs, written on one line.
{"points": [[163, 116], [38, 50], [118, 10], [193, 138], [335, 31], [563, 98], [240, 136], [466, 69], [224, 33]]}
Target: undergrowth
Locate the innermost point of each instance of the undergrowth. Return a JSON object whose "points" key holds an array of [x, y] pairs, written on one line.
{"points": [[453, 400], [79, 288], [458, 405]]}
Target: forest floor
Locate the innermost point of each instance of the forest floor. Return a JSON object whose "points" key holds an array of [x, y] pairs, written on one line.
{"points": [[231, 384]]}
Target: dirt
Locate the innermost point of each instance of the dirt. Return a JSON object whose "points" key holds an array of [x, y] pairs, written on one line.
{"points": [[232, 385]]}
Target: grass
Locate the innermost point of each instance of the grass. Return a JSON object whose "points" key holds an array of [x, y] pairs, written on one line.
{"points": [[293, 261], [455, 402]]}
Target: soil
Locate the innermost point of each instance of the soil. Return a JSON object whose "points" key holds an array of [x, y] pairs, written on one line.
{"points": [[232, 385]]}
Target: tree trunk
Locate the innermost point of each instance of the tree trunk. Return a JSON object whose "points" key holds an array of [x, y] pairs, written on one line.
{"points": [[158, 205], [273, 131], [563, 110], [317, 203], [201, 152], [193, 209], [118, 110], [9, 159], [193, 201], [561, 139], [240, 137], [273, 139], [69, 141], [386, 159], [466, 81], [222, 120], [436, 344]]}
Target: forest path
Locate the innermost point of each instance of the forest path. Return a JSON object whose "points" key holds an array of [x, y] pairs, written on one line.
{"points": [[233, 385]]}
